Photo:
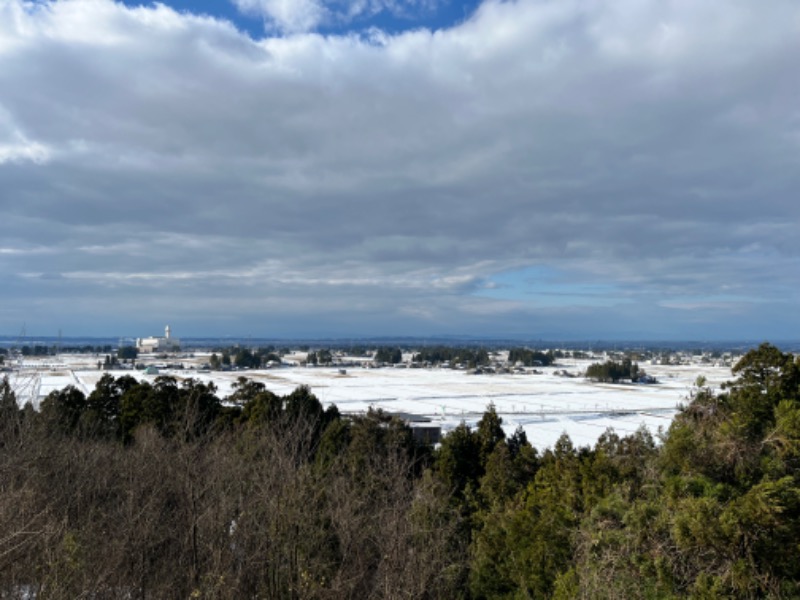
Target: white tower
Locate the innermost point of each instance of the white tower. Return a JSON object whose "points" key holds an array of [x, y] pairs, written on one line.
{"points": [[166, 332]]}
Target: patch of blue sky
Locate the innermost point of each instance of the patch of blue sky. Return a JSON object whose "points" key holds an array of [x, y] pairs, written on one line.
{"points": [[434, 16], [218, 9], [443, 15], [547, 286]]}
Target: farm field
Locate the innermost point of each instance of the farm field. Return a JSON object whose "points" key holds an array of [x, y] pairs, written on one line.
{"points": [[545, 404]]}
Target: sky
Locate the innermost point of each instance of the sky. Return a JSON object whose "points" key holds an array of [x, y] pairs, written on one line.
{"points": [[542, 169]]}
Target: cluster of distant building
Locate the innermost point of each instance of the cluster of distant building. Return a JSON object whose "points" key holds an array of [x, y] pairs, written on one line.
{"points": [[168, 344], [151, 345]]}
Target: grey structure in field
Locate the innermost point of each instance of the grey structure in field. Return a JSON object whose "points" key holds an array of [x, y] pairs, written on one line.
{"points": [[423, 430]]}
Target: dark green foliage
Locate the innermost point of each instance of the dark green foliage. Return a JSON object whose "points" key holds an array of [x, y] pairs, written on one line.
{"points": [[319, 357], [245, 391], [507, 471], [127, 353], [531, 358], [388, 355], [522, 548], [101, 417], [713, 513], [716, 511], [276, 497], [766, 377], [333, 443], [8, 399], [85, 349], [302, 404], [36, 350], [245, 359], [490, 433], [197, 409], [612, 371], [469, 357], [188, 410], [262, 408], [62, 410], [10, 416], [458, 461]]}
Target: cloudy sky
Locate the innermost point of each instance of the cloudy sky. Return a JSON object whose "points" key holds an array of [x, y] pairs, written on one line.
{"points": [[553, 169]]}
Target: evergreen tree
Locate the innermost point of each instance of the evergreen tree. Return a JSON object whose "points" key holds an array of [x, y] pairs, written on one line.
{"points": [[458, 460], [489, 433], [62, 409], [10, 416]]}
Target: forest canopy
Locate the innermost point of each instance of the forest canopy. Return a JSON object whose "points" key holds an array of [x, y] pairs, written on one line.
{"points": [[162, 489]]}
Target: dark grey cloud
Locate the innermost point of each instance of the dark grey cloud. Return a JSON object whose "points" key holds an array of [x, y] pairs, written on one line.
{"points": [[164, 164]]}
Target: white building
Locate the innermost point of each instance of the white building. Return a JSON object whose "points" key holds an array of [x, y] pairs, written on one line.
{"points": [[158, 344]]}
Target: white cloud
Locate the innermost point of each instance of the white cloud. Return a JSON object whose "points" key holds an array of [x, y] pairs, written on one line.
{"points": [[289, 16], [301, 16], [15, 146], [644, 144], [24, 151]]}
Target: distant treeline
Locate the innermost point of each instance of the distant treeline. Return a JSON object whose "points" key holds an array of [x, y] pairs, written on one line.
{"points": [[612, 371], [164, 490], [42, 350], [388, 355], [531, 358], [471, 357], [244, 358]]}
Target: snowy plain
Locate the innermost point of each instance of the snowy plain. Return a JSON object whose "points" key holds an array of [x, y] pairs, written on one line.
{"points": [[546, 403]]}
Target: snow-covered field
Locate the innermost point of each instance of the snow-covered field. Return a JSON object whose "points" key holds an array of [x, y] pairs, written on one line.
{"points": [[545, 404]]}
